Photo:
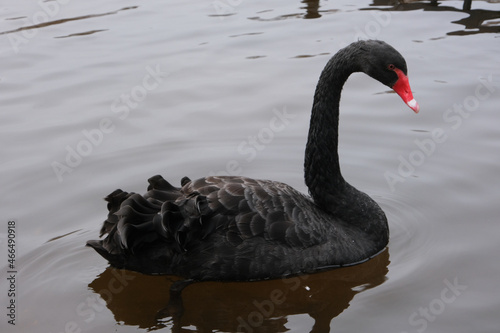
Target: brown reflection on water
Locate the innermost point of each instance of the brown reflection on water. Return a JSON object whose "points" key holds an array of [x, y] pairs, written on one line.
{"points": [[479, 20], [144, 301], [312, 9]]}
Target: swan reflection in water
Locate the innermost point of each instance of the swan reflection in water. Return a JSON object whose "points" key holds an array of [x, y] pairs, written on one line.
{"points": [[144, 300]]}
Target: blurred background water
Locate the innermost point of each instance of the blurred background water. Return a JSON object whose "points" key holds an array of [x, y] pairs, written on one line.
{"points": [[96, 96]]}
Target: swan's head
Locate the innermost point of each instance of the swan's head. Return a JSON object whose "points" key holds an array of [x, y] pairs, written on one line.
{"points": [[383, 63]]}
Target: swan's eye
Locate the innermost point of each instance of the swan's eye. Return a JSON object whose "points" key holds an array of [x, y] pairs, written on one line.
{"points": [[391, 67]]}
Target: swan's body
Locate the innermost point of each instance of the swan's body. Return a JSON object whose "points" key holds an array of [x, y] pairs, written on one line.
{"points": [[237, 228]]}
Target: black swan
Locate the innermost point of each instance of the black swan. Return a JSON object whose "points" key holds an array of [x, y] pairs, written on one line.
{"points": [[232, 228]]}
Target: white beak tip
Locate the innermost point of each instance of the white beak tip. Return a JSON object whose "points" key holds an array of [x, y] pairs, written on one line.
{"points": [[413, 105]]}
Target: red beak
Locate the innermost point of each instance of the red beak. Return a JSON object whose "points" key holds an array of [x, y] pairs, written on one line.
{"points": [[402, 88]]}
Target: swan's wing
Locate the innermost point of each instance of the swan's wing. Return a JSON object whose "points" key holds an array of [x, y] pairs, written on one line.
{"points": [[235, 208], [134, 220], [242, 208]]}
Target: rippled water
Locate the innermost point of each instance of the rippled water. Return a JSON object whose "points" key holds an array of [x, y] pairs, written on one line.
{"points": [[102, 95]]}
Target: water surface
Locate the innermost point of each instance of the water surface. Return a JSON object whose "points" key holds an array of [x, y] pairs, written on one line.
{"points": [[98, 96]]}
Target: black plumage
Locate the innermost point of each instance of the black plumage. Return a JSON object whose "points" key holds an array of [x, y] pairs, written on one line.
{"points": [[237, 228]]}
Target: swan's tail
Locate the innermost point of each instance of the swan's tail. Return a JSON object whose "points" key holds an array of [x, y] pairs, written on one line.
{"points": [[139, 228]]}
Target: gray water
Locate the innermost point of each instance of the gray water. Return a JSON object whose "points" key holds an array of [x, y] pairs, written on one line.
{"points": [[96, 96]]}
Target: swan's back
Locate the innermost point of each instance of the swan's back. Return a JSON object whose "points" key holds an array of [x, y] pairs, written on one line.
{"points": [[224, 228]]}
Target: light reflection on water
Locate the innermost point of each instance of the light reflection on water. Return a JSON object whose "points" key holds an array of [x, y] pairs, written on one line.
{"points": [[224, 74]]}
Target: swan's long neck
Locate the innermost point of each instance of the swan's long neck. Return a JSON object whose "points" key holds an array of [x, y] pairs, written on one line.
{"points": [[322, 169]]}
